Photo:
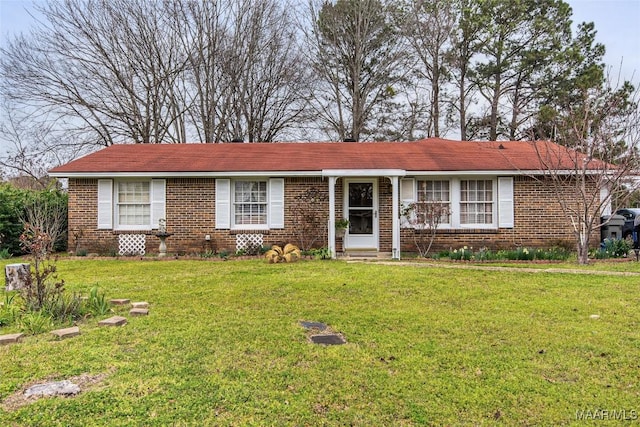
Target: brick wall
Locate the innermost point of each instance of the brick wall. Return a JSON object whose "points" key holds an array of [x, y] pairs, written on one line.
{"points": [[538, 222], [190, 211]]}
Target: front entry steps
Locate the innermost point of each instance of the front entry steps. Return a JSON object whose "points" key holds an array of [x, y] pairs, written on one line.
{"points": [[351, 254]]}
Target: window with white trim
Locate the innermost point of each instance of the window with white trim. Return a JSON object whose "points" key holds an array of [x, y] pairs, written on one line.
{"points": [[436, 198], [133, 204], [476, 201], [250, 203]]}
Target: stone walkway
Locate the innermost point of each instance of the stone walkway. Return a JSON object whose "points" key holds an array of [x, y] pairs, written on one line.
{"points": [[138, 309]]}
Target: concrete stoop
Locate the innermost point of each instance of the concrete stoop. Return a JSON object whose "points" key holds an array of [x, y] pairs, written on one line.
{"points": [[365, 254]]}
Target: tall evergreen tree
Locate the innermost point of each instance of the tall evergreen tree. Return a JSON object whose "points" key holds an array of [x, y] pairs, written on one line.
{"points": [[357, 61]]}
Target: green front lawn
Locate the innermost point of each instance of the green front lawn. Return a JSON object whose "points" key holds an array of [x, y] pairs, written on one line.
{"points": [[222, 345]]}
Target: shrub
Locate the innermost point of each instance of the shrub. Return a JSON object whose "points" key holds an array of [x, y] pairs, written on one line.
{"points": [[64, 308], [41, 288], [5, 254], [519, 254], [46, 208], [320, 253], [9, 311], [34, 323], [463, 254], [97, 303], [613, 248], [309, 221]]}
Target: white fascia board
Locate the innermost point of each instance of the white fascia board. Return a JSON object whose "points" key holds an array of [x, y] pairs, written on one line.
{"points": [[535, 172], [362, 172], [324, 173], [184, 174]]}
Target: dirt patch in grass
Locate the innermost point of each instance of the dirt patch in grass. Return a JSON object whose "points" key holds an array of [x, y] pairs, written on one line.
{"points": [[85, 381]]}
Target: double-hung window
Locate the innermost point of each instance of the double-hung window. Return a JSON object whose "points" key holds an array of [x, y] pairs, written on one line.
{"points": [[461, 202], [133, 204], [434, 202], [250, 203], [476, 202], [136, 204]]}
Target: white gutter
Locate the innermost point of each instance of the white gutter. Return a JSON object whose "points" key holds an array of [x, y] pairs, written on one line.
{"points": [[182, 174], [362, 172]]}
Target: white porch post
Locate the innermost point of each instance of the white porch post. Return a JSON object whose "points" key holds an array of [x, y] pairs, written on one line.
{"points": [[395, 222], [331, 230]]}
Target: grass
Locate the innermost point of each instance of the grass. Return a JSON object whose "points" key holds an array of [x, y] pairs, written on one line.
{"points": [[426, 346]]}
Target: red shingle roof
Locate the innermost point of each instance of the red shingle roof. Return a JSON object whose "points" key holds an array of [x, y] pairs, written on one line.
{"points": [[437, 155]]}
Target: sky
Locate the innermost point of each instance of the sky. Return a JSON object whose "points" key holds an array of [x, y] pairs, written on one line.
{"points": [[617, 23]]}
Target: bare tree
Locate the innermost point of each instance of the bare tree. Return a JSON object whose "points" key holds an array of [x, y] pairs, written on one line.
{"points": [[600, 137], [107, 67], [310, 225], [425, 217], [152, 71], [32, 145], [48, 215], [429, 26]]}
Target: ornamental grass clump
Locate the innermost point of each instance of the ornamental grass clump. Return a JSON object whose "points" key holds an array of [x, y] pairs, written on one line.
{"points": [[290, 253]]}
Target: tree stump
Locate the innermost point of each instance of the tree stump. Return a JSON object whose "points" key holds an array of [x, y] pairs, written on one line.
{"points": [[16, 276]]}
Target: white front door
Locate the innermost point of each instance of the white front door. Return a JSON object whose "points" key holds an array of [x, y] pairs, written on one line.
{"points": [[361, 209]]}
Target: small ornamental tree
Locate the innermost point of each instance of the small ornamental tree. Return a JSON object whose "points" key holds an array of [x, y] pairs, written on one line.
{"points": [[42, 286], [425, 218], [309, 224]]}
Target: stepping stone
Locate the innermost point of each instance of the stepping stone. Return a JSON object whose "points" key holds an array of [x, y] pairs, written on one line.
{"points": [[141, 304], [139, 311], [313, 325], [10, 338], [66, 332], [120, 301], [57, 388], [113, 321], [329, 339]]}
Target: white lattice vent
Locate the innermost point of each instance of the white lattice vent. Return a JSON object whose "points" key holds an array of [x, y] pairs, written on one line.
{"points": [[249, 243], [131, 244]]}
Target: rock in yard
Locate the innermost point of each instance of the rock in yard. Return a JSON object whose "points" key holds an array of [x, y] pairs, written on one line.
{"points": [[328, 339], [313, 325], [141, 304], [56, 388], [120, 301], [66, 332], [10, 338], [113, 321], [139, 311]]}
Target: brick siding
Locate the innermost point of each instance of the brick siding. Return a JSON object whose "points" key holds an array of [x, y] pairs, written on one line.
{"points": [[190, 212]]}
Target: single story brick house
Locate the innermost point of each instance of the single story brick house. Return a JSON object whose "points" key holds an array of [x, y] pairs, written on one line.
{"points": [[224, 196]]}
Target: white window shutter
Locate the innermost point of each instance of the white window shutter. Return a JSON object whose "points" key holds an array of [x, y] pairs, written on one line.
{"points": [[505, 202], [276, 203], [223, 203], [105, 204], [158, 201], [407, 196]]}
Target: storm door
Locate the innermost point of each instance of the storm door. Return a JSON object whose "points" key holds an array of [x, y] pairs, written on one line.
{"points": [[361, 207]]}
